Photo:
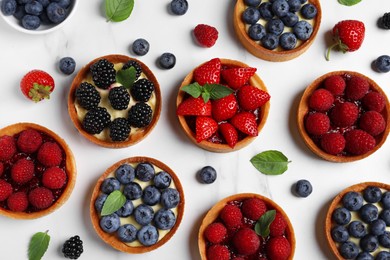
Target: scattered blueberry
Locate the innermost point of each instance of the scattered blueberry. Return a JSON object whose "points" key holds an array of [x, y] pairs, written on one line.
{"points": [[251, 15], [290, 19], [303, 30], [288, 41], [275, 26], [256, 31], [170, 198], [265, 10], [352, 201], [162, 180], [357, 229], [109, 185], [270, 41], [341, 216], [364, 256], [179, 7], [151, 195], [132, 191], [125, 173], [382, 63], [349, 250], [308, 11], [8, 7], [144, 171], [385, 201], [31, 22], [127, 233], [126, 209], [148, 235], [385, 215], [99, 202], [339, 234], [164, 219], [167, 60], [383, 255], [141, 47], [280, 7], [207, 175], [253, 3], [368, 213], [56, 13], [110, 223], [303, 188], [377, 227], [295, 5], [34, 8], [369, 243], [67, 65], [143, 214]]}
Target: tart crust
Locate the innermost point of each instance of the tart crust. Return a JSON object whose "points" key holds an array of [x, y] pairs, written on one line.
{"points": [[134, 138], [213, 214], [303, 109], [255, 81], [272, 55], [70, 169], [111, 239]]}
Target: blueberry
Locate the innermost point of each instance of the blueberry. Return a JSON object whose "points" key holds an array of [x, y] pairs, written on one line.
{"points": [[31, 22], [364, 256], [162, 180], [253, 3], [270, 41], [352, 201], [132, 191], [126, 210], [44, 3], [385, 201], [308, 11], [303, 30], [341, 216], [144, 171], [151, 195], [141, 47], [8, 7], [288, 41], [67, 65], [127, 233], [20, 12], [383, 255], [339, 234], [382, 63], [275, 26], [170, 198], [164, 219], [143, 214], [368, 213], [110, 223], [23, 2], [167, 60], [295, 5], [256, 31], [372, 194], [384, 239], [385, 215], [369, 243], [99, 202], [109, 185], [302, 188], [207, 175], [290, 19], [349, 250], [280, 8], [56, 13], [44, 18], [179, 7], [148, 235], [251, 15], [63, 3], [303, 1], [377, 227], [125, 173], [34, 8], [265, 10], [357, 229]]}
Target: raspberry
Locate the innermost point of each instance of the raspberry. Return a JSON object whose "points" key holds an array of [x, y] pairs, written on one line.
{"points": [[344, 114], [5, 190], [333, 143], [356, 88], [22, 171], [359, 142], [218, 252], [18, 201], [29, 141], [7, 147], [253, 208], [206, 35], [278, 248], [231, 216], [1, 168], [372, 122], [321, 100], [215, 233], [41, 198], [335, 84], [278, 226], [317, 123], [246, 241], [50, 154], [54, 178], [374, 101]]}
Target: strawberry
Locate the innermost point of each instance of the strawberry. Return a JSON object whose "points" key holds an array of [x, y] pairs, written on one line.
{"points": [[215, 232], [321, 100], [218, 252], [335, 84], [278, 248], [333, 143], [194, 107], [374, 101], [317, 123], [5, 190], [348, 36], [37, 85], [7, 147], [246, 241], [237, 77], [250, 97], [205, 127], [208, 72], [29, 141], [54, 178], [359, 142], [22, 171], [372, 122], [253, 208], [18, 201], [344, 114], [245, 122], [278, 226], [224, 108], [41, 198], [205, 35], [356, 88], [231, 216], [229, 133], [50, 154]]}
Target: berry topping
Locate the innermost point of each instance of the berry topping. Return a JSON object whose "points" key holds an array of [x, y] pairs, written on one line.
{"points": [[37, 85], [151, 195], [253, 208], [205, 35], [209, 72], [96, 120], [231, 216], [5, 190], [245, 122], [359, 142], [87, 96], [7, 147], [224, 108], [162, 180], [246, 241], [73, 247], [303, 188], [335, 84], [251, 97], [372, 122], [50, 154], [103, 73], [194, 107], [205, 127], [278, 226], [18, 201], [170, 198], [143, 214], [127, 233], [119, 129], [142, 90], [110, 223], [356, 88], [41, 198], [29, 141], [317, 123], [321, 100], [119, 98], [333, 143], [215, 232], [344, 114], [374, 101], [229, 133], [207, 175], [135, 64], [237, 77], [54, 178], [218, 252], [140, 47], [140, 115], [148, 235], [22, 171], [144, 171], [165, 219], [278, 248]]}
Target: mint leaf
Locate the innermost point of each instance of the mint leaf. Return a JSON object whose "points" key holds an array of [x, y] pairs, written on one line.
{"points": [[349, 2], [113, 202], [218, 91], [126, 77], [194, 89], [118, 10], [262, 225], [38, 245], [270, 162]]}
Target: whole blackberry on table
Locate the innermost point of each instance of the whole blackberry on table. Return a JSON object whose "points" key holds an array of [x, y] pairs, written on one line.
{"points": [[96, 120], [384, 21], [103, 73], [73, 247], [142, 90], [119, 98], [119, 129], [140, 115], [87, 96], [135, 65]]}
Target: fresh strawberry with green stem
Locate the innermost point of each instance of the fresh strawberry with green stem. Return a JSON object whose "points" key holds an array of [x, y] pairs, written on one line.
{"points": [[208, 72], [194, 107], [237, 77], [37, 85], [205, 127], [250, 97]]}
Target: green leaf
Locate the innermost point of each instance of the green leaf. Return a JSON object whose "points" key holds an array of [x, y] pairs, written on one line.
{"points": [[193, 89], [38, 245], [126, 77], [262, 225], [118, 10], [349, 2], [270, 162], [113, 202], [218, 91]]}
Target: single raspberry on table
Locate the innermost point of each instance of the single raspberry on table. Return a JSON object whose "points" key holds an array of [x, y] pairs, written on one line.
{"points": [[372, 122], [22, 171], [54, 178], [50, 154], [7, 147], [333, 143], [374, 101], [253, 208], [278, 248], [231, 216], [18, 201], [5, 190], [278, 226], [215, 232], [344, 114], [356, 88], [206, 35], [321, 100], [335, 84], [218, 252], [359, 142], [29, 141], [41, 198], [317, 123], [246, 241]]}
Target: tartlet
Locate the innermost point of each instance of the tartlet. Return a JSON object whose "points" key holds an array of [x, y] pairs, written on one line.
{"points": [[68, 165], [77, 112], [304, 110], [278, 54], [111, 238]]}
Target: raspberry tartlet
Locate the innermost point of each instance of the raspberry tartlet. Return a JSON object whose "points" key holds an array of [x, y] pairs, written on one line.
{"points": [[37, 171], [115, 101], [152, 208], [262, 28], [222, 105], [343, 116], [246, 226], [357, 222]]}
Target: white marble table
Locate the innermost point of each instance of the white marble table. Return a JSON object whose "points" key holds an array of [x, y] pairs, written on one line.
{"points": [[88, 35]]}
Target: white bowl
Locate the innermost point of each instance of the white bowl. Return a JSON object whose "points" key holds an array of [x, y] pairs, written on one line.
{"points": [[43, 28]]}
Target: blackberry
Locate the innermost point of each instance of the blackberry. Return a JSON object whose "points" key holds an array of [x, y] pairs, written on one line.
{"points": [[96, 120], [140, 115], [136, 65], [119, 98], [87, 96], [384, 21], [73, 247], [119, 129], [103, 73], [142, 90]]}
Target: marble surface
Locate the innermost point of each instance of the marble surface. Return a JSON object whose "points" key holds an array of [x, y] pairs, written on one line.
{"points": [[88, 36]]}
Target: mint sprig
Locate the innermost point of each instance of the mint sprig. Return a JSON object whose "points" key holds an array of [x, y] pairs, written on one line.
{"points": [[118, 10], [126, 77], [270, 162], [38, 245], [113, 202], [264, 222], [207, 91], [349, 2]]}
